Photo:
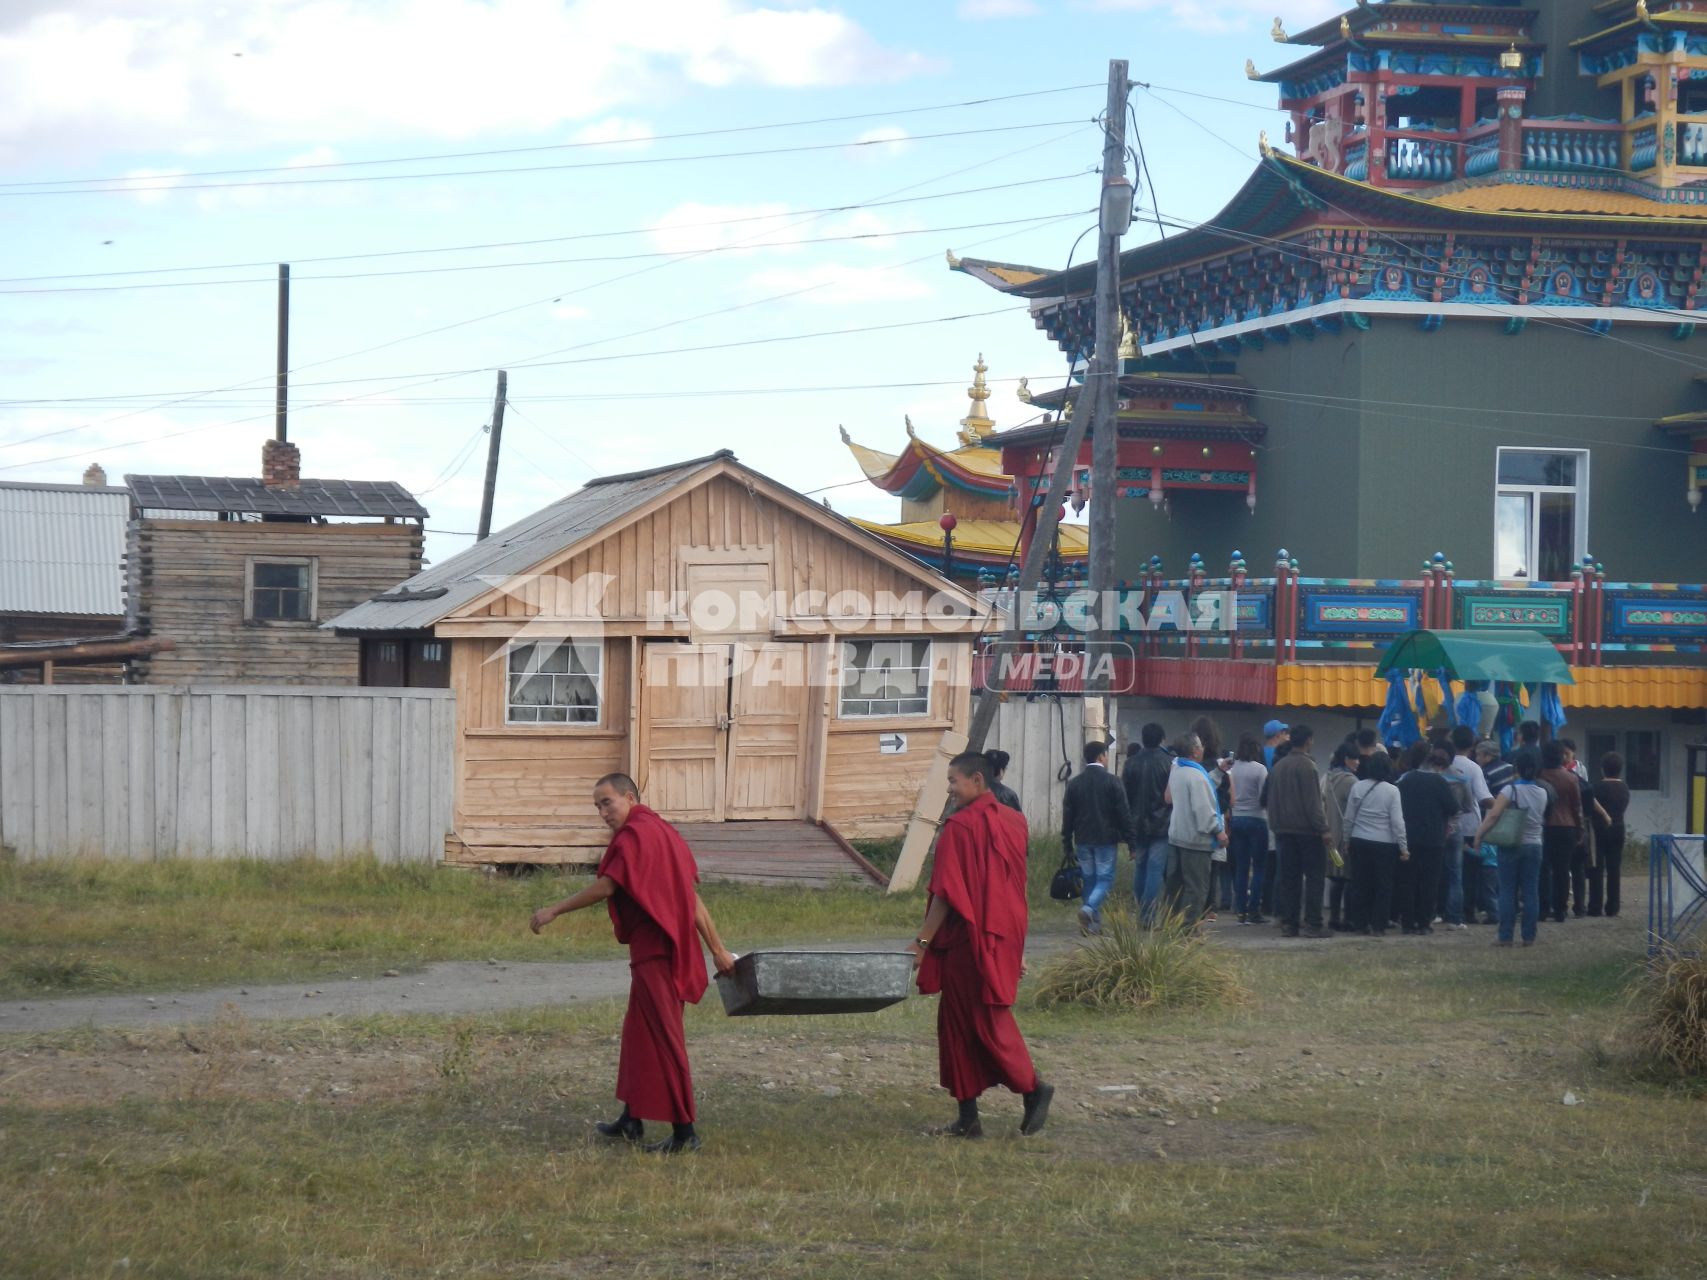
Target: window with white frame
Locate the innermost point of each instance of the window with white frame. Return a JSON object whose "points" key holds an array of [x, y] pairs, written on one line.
{"points": [[1540, 513], [281, 590], [555, 682], [886, 678]]}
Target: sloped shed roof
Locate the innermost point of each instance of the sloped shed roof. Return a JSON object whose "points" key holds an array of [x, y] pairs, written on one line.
{"points": [[62, 548]]}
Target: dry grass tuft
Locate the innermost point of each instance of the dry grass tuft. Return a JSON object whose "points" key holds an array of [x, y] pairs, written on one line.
{"points": [[1672, 996], [1133, 969]]}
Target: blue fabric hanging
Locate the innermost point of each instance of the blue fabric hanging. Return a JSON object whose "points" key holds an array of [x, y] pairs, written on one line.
{"points": [[1508, 717], [1468, 708], [1398, 723], [1445, 682], [1548, 707]]}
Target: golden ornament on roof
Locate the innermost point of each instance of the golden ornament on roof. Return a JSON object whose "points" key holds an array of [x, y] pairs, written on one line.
{"points": [[1128, 339], [846, 438], [953, 262], [1279, 32], [1641, 10], [1262, 145], [1024, 391], [1251, 72], [1345, 27]]}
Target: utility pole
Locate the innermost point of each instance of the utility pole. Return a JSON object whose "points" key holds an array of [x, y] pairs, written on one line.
{"points": [[281, 396], [492, 457], [1103, 377], [1096, 399]]}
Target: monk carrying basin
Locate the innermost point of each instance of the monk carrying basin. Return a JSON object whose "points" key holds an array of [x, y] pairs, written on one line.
{"points": [[794, 982]]}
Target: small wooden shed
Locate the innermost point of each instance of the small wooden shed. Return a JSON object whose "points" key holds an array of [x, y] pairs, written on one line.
{"points": [[749, 656]]}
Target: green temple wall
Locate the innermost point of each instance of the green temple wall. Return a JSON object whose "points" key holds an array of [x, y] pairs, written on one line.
{"points": [[1381, 448]]}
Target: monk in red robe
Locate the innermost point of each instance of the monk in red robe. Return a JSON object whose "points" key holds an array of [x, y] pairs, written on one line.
{"points": [[971, 948], [646, 879]]}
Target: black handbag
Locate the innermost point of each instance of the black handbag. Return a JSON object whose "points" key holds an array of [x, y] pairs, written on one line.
{"points": [[1069, 881]]}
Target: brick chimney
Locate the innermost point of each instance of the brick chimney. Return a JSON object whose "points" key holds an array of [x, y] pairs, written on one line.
{"points": [[94, 475], [281, 465]]}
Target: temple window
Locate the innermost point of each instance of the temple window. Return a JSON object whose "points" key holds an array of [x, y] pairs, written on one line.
{"points": [[555, 682], [886, 678], [1643, 757], [1540, 513]]}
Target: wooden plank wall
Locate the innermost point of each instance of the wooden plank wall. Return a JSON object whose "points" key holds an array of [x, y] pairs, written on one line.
{"points": [[1031, 733], [525, 791], [209, 772], [187, 580]]}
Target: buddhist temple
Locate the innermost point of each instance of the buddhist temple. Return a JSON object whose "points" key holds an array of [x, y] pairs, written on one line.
{"points": [[1438, 362], [987, 536]]}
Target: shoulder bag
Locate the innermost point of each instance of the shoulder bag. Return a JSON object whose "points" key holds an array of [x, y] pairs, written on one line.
{"points": [[1069, 881]]}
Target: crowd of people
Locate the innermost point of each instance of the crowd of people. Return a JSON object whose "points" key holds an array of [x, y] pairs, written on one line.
{"points": [[1445, 833]]}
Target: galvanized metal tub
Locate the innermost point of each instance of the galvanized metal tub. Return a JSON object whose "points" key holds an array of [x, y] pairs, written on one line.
{"points": [[796, 982]]}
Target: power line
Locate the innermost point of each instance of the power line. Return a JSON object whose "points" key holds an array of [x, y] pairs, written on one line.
{"points": [[631, 162], [651, 255], [581, 144], [523, 244]]}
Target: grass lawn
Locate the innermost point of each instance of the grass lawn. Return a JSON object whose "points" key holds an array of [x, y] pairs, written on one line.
{"points": [[84, 925], [1377, 1109]]}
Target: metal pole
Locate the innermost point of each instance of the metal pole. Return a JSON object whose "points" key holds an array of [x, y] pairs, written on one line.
{"points": [[281, 397], [492, 446]]}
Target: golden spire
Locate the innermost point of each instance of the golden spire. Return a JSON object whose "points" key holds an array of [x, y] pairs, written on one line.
{"points": [[977, 423], [1279, 32], [1251, 72]]}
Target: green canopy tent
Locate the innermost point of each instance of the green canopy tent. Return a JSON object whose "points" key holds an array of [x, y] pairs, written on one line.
{"points": [[1521, 657]]}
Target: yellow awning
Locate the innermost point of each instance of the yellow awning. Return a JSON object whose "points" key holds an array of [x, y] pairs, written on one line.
{"points": [[1300, 684]]}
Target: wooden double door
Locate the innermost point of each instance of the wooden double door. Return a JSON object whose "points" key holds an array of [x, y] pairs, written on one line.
{"points": [[725, 730]]}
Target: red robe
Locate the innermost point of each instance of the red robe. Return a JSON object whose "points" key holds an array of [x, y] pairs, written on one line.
{"points": [[975, 957], [652, 911]]}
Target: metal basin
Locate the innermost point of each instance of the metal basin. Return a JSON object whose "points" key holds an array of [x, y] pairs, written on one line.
{"points": [[796, 982]]}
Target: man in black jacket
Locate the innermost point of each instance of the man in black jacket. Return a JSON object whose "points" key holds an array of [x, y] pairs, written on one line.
{"points": [[1094, 820], [1145, 778]]}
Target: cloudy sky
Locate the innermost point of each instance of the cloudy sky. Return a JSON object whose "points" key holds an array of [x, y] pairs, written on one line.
{"points": [[680, 225]]}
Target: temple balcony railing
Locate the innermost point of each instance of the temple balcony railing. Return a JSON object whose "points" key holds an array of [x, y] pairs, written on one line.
{"points": [[1289, 618], [1417, 156], [1549, 146]]}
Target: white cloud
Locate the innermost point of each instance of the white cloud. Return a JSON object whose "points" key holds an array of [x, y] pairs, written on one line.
{"points": [[1230, 15], [112, 75], [751, 225], [887, 140], [615, 130], [974, 10], [837, 284]]}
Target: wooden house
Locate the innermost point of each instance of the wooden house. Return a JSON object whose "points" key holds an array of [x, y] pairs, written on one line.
{"points": [[240, 573], [747, 655]]}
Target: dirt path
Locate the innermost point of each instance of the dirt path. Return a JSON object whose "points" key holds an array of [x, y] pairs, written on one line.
{"points": [[453, 987]]}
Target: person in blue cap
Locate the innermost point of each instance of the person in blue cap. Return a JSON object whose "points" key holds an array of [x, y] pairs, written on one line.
{"points": [[1273, 734]]}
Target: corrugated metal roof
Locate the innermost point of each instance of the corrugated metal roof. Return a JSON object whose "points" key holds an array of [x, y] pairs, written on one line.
{"points": [[62, 548], [249, 496], [1355, 685], [471, 573]]}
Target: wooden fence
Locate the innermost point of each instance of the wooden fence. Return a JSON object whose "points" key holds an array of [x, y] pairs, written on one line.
{"points": [[1032, 732], [225, 771]]}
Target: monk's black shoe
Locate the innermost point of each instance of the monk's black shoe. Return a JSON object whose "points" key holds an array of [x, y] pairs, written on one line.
{"points": [[1036, 1108], [625, 1127], [973, 1128], [673, 1146]]}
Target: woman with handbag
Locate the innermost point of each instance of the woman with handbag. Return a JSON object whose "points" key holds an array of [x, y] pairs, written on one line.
{"points": [[1514, 826], [1375, 830]]}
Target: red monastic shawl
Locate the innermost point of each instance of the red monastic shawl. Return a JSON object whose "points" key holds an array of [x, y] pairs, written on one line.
{"points": [[655, 874], [980, 872]]}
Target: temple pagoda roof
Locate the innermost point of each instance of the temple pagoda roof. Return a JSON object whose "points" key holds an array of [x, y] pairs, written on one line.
{"points": [[1284, 193], [981, 538], [921, 468], [1681, 19], [1365, 16]]}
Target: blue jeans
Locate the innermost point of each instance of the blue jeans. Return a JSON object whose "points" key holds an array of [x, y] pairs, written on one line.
{"points": [[1452, 880], [1247, 841], [1485, 881], [1096, 861], [1520, 872], [1150, 864]]}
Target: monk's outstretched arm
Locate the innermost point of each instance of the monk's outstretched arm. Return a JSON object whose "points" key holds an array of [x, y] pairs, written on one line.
{"points": [[708, 930], [592, 895]]}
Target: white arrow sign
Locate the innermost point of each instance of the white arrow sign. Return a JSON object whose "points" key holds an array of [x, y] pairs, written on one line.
{"points": [[891, 744]]}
